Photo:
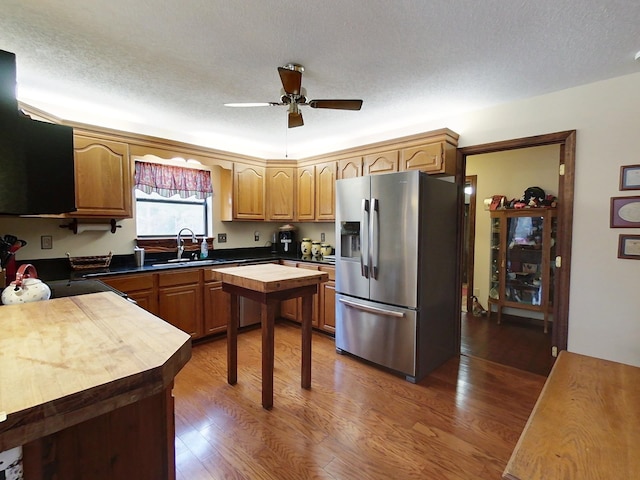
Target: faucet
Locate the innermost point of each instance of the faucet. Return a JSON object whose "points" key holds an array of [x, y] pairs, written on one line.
{"points": [[180, 242]]}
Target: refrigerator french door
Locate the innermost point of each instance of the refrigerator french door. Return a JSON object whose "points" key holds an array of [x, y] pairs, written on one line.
{"points": [[396, 270]]}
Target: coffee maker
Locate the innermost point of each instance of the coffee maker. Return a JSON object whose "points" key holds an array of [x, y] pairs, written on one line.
{"points": [[287, 239]]}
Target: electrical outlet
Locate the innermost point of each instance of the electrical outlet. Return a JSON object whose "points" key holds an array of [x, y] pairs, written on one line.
{"points": [[256, 236], [322, 237], [222, 238]]}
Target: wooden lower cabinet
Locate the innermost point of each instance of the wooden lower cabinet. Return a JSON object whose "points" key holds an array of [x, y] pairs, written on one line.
{"points": [[180, 300], [327, 301], [289, 309], [133, 441], [191, 300], [217, 305], [139, 287], [323, 314]]}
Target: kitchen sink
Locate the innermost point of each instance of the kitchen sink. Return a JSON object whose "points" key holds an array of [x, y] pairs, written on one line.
{"points": [[186, 263]]}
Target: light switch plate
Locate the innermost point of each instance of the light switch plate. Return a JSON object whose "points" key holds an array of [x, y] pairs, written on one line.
{"points": [[46, 242]]}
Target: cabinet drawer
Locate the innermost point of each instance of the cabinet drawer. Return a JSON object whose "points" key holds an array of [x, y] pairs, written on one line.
{"points": [[130, 283], [209, 275], [330, 270], [181, 277]]}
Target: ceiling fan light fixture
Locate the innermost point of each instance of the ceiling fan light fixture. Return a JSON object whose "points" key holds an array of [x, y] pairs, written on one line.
{"points": [[292, 95]]}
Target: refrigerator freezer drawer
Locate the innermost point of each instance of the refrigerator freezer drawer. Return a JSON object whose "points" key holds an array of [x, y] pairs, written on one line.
{"points": [[382, 334]]}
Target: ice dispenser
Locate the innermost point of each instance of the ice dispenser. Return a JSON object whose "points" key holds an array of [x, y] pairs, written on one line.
{"points": [[350, 239]]}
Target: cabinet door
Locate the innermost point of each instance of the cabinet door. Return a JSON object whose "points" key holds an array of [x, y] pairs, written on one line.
{"points": [[147, 299], [327, 300], [326, 191], [439, 157], [141, 288], [248, 192], [103, 178], [217, 308], [180, 300], [181, 306], [306, 191], [385, 162], [350, 168], [327, 321], [280, 193], [315, 302], [289, 309]]}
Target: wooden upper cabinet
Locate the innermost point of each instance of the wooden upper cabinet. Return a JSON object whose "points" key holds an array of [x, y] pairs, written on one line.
{"points": [[439, 157], [350, 167], [384, 162], [326, 191], [280, 193], [306, 194], [248, 192], [103, 178]]}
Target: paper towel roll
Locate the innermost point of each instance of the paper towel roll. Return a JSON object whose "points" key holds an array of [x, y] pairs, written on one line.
{"points": [[93, 227]]}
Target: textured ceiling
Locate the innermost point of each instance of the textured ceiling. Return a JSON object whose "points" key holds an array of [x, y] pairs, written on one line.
{"points": [[166, 67]]}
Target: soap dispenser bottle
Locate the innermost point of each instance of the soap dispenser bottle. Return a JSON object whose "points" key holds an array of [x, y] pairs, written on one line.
{"points": [[204, 249]]}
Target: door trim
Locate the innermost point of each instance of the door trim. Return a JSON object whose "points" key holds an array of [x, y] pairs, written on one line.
{"points": [[567, 142], [472, 180]]}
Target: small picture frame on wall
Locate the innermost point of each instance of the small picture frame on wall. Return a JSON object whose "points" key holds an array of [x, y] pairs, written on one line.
{"points": [[630, 177], [629, 247], [625, 212]]}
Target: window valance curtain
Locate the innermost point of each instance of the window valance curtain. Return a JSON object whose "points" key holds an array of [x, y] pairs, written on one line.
{"points": [[169, 180]]}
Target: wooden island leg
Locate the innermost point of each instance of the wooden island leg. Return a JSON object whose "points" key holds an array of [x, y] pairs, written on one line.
{"points": [[305, 374], [268, 311], [232, 341]]}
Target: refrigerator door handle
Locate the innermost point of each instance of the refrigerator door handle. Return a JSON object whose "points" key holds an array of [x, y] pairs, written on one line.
{"points": [[374, 237], [364, 248], [370, 309]]}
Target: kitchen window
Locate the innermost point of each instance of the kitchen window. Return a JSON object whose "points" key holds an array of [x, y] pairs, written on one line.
{"points": [[169, 198]]}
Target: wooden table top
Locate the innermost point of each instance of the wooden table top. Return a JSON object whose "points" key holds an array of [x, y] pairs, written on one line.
{"points": [[585, 424], [65, 360], [269, 277]]}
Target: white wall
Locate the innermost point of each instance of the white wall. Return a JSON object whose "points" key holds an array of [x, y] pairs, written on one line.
{"points": [[604, 308]]}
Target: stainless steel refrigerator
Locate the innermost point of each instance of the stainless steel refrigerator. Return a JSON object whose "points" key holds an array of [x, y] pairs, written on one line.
{"points": [[396, 271]]}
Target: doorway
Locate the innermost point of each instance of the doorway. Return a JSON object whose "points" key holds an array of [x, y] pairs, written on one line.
{"points": [[566, 166]]}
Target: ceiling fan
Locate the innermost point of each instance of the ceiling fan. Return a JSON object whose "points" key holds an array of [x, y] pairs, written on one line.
{"points": [[293, 95]]}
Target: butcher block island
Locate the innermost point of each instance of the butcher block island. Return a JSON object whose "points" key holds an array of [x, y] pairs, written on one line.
{"points": [[85, 388], [269, 284]]}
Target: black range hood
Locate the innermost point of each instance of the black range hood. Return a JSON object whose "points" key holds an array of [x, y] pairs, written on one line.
{"points": [[36, 158]]}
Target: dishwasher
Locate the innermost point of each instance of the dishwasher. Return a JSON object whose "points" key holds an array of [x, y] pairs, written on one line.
{"points": [[250, 312]]}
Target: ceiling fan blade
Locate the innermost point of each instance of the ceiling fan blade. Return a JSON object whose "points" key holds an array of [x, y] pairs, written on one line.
{"points": [[253, 104], [336, 104], [291, 80], [295, 119]]}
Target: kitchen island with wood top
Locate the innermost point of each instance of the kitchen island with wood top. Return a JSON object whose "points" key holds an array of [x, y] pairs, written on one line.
{"points": [[85, 388], [269, 284], [585, 424]]}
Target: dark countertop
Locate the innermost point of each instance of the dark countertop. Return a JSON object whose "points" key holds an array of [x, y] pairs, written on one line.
{"points": [[59, 269]]}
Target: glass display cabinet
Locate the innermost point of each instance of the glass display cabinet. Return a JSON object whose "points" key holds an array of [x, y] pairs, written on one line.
{"points": [[522, 270]]}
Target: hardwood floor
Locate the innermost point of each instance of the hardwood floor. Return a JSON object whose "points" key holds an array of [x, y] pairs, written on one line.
{"points": [[357, 421], [513, 343]]}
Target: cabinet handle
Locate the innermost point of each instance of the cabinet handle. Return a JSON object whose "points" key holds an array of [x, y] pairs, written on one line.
{"points": [[367, 308]]}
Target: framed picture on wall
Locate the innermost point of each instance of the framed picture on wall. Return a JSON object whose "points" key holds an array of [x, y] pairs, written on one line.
{"points": [[630, 177], [625, 212], [629, 247]]}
